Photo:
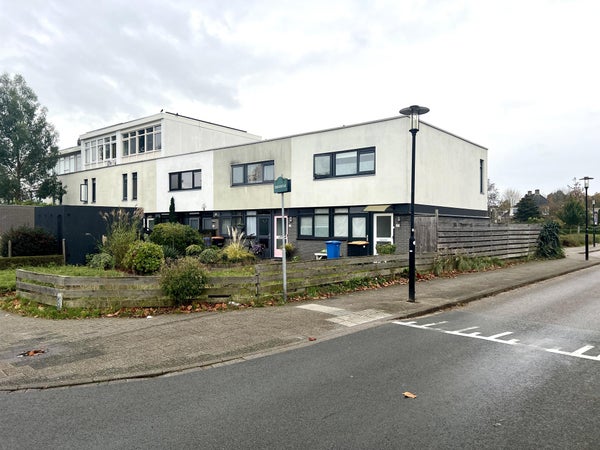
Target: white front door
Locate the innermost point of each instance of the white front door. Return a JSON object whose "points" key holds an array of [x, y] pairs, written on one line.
{"points": [[383, 230], [280, 235]]}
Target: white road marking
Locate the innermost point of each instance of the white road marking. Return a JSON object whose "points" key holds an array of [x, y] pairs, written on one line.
{"points": [[359, 317], [345, 317], [323, 309], [579, 353]]}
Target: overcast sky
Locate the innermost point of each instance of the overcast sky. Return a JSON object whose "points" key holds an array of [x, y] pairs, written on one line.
{"points": [[519, 77]]}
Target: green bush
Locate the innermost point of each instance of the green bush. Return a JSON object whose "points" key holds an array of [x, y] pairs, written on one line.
{"points": [[38, 261], [26, 241], [100, 260], [194, 250], [184, 280], [385, 249], [144, 258], [175, 235], [210, 255], [548, 242]]}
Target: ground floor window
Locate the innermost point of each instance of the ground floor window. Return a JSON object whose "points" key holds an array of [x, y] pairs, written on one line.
{"points": [[330, 223]]}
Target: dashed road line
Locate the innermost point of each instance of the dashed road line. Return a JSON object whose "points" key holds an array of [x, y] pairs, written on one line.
{"points": [[579, 353]]}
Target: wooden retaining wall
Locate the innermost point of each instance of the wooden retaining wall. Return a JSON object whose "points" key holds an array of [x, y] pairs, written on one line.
{"points": [[306, 274], [501, 241], [98, 292]]}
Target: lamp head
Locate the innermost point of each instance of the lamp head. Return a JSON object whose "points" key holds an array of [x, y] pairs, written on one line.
{"points": [[414, 112], [586, 181]]}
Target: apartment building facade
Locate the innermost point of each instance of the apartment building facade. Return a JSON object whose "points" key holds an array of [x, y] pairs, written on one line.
{"points": [[349, 184]]}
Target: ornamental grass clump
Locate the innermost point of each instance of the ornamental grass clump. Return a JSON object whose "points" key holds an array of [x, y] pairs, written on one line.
{"points": [[183, 281]]}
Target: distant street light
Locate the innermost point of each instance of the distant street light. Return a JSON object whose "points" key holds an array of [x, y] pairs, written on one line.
{"points": [[414, 112], [594, 222], [586, 185]]}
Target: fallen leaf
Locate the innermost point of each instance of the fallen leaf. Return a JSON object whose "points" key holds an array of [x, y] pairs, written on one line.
{"points": [[312, 338], [409, 395]]}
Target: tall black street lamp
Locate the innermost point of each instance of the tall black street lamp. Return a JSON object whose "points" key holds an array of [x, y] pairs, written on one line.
{"points": [[594, 221], [586, 185], [414, 112]]}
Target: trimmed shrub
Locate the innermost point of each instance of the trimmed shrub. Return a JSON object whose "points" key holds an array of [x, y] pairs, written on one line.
{"points": [[101, 260], [144, 258], [385, 249], [175, 235], [194, 250], [184, 280], [26, 241], [210, 255]]}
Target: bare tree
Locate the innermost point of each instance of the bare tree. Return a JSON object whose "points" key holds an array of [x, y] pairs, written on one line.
{"points": [[511, 196]]}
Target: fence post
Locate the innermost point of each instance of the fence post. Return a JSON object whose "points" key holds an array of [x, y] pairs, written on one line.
{"points": [[64, 251], [9, 248]]}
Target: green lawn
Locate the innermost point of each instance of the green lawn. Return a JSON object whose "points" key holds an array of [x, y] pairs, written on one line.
{"points": [[7, 280]]}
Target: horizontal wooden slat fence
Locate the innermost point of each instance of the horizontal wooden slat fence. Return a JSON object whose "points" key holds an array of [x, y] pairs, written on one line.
{"points": [[501, 241], [306, 274], [144, 291]]}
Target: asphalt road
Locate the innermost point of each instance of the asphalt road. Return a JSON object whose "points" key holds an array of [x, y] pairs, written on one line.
{"points": [[519, 370]]}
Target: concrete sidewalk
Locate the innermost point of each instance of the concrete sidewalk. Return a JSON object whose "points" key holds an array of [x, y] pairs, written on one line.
{"points": [[97, 350]]}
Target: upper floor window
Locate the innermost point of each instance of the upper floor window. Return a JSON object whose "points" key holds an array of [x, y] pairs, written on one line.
{"points": [[101, 149], [142, 140], [191, 179], [253, 173], [346, 163]]}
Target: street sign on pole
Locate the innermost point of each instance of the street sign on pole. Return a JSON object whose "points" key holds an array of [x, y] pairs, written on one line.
{"points": [[281, 186]]}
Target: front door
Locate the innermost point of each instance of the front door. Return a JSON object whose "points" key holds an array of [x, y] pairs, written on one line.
{"points": [[280, 234], [263, 234], [383, 230]]}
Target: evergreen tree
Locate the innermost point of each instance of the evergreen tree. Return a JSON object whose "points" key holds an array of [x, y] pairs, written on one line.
{"points": [[28, 150], [573, 212], [527, 209], [172, 213]]}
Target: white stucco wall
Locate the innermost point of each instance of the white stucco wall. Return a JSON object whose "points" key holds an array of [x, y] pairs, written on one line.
{"points": [[185, 200], [258, 196]]}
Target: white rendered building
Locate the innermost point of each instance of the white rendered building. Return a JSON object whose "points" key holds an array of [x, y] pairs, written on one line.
{"points": [[349, 184]]}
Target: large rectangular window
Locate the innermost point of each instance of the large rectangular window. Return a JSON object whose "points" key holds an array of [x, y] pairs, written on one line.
{"points": [[191, 179], [142, 140], [332, 223], [346, 163], [101, 149], [253, 173]]}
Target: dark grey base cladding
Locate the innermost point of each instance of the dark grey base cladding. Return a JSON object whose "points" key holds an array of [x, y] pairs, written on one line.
{"points": [[82, 227]]}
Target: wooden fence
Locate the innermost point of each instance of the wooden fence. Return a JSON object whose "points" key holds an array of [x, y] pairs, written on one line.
{"points": [[501, 241], [131, 291]]}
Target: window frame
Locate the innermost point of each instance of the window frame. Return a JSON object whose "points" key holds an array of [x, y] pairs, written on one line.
{"points": [[141, 140], [267, 167], [336, 164], [196, 180]]}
